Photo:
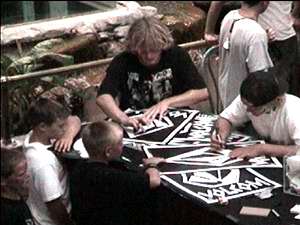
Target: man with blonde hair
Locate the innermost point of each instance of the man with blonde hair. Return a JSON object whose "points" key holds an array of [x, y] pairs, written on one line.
{"points": [[152, 74]]}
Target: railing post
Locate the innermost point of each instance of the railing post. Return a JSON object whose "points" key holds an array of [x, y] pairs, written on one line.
{"points": [[5, 119]]}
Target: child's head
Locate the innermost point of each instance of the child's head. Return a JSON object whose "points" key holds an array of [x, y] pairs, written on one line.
{"points": [[48, 117], [261, 92], [14, 176], [103, 139]]}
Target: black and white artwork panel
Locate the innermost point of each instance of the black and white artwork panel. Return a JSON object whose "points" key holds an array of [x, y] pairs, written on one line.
{"points": [[160, 131], [209, 186], [203, 158]]}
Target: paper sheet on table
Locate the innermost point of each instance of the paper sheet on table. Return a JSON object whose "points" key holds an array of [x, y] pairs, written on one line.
{"points": [[79, 147]]}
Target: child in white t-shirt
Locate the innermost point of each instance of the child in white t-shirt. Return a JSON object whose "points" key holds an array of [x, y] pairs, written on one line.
{"points": [[49, 192]]}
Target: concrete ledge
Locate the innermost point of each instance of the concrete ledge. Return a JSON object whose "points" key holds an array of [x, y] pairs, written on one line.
{"points": [[125, 13]]}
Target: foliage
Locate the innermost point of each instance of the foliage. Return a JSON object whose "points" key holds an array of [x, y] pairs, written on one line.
{"points": [[23, 92]]}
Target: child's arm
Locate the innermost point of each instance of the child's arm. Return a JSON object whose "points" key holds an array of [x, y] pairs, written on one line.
{"points": [[58, 212], [72, 127]]}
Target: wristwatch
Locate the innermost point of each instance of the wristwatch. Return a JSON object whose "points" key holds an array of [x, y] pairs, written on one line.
{"points": [[150, 165]]}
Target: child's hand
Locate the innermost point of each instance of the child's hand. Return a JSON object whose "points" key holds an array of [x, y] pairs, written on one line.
{"points": [[153, 160], [63, 144]]}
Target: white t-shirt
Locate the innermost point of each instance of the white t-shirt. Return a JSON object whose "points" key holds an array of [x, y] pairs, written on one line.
{"points": [[277, 16], [282, 126], [49, 181], [248, 52]]}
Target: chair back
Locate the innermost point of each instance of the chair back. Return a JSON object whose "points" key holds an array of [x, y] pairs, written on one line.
{"points": [[210, 73]]}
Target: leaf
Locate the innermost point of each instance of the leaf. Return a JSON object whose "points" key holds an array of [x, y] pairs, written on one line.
{"points": [[59, 80], [5, 62]]}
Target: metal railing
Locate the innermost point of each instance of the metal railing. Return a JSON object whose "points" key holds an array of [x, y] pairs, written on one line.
{"points": [[7, 80]]}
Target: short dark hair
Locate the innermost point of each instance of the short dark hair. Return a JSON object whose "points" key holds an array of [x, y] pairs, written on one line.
{"points": [[46, 111], [262, 87], [251, 3], [98, 135], [9, 160]]}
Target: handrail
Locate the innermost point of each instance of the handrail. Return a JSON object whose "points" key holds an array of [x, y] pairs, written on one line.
{"points": [[62, 70], [55, 71]]}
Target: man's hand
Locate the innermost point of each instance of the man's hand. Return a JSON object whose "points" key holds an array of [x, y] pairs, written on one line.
{"points": [[158, 109], [136, 122], [271, 35], [246, 152], [217, 142], [296, 23], [211, 38]]}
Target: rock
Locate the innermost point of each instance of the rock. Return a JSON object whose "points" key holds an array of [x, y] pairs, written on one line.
{"points": [[121, 31], [184, 19], [129, 12], [114, 48], [228, 6]]}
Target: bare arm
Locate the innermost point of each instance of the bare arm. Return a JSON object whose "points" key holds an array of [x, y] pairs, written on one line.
{"points": [[112, 110], [263, 149], [71, 129], [223, 128], [187, 98], [211, 20], [154, 178], [296, 15], [58, 212]]}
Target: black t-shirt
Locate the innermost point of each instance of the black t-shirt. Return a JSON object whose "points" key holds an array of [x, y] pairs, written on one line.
{"points": [[102, 194], [15, 212], [140, 87]]}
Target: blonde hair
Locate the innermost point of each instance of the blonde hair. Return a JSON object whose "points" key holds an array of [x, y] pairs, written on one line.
{"points": [[98, 135], [149, 33]]}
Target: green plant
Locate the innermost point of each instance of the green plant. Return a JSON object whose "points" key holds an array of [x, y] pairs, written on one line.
{"points": [[22, 93]]}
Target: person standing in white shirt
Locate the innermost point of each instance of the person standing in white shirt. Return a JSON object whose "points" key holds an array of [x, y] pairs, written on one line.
{"points": [[243, 48], [280, 20]]}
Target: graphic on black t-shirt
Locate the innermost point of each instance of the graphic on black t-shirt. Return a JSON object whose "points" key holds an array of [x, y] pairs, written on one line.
{"points": [[29, 222], [15, 212], [139, 87], [145, 92]]}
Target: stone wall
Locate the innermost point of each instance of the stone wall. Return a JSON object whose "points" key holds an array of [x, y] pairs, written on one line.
{"points": [[107, 27], [185, 21], [125, 13]]}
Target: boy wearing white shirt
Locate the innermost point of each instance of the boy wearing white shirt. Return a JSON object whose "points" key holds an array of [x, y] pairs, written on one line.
{"points": [[273, 114], [49, 192]]}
